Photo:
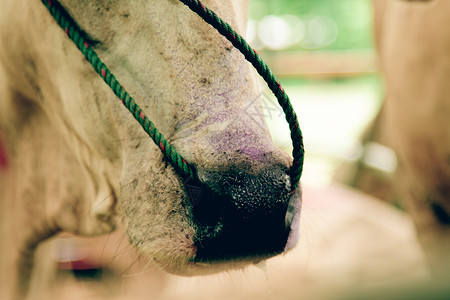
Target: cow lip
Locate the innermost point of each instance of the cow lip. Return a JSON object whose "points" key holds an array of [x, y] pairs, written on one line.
{"points": [[196, 268], [235, 233], [240, 242], [248, 239], [244, 260], [293, 219]]}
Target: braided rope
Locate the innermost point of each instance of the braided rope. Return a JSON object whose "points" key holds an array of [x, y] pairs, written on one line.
{"points": [[250, 55], [74, 33], [180, 164]]}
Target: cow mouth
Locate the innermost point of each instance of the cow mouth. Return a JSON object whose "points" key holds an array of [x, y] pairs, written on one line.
{"points": [[240, 225], [222, 248], [241, 241], [227, 232]]}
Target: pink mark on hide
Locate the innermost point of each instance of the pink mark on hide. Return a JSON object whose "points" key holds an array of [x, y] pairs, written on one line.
{"points": [[161, 146], [280, 87], [3, 156], [81, 264]]}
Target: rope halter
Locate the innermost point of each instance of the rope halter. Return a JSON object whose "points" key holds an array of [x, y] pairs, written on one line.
{"points": [[178, 162]]}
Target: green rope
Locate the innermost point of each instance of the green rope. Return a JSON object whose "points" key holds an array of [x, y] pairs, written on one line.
{"points": [[250, 54], [74, 33], [180, 164]]}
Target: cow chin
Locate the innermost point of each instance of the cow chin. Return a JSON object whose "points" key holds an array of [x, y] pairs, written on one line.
{"points": [[188, 268], [186, 252], [178, 245], [223, 220]]}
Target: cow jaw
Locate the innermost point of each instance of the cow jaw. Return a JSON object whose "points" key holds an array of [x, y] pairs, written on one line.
{"points": [[202, 113], [195, 88]]}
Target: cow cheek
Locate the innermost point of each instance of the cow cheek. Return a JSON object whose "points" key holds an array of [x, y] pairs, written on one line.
{"points": [[154, 213]]}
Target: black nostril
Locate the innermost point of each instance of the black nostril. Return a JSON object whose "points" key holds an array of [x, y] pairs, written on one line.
{"points": [[240, 215], [207, 205]]}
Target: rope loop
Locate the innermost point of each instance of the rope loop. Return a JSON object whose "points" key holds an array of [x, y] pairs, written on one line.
{"points": [[187, 170]]}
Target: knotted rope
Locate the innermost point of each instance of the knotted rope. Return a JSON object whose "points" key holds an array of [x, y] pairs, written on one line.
{"points": [[75, 34]]}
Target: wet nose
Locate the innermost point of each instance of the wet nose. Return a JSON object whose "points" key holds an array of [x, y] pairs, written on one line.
{"points": [[242, 215]]}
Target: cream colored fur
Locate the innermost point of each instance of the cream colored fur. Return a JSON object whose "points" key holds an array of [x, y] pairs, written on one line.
{"points": [[414, 44], [78, 161]]}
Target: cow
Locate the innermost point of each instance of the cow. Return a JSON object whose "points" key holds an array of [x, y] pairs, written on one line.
{"points": [[413, 40], [75, 160]]}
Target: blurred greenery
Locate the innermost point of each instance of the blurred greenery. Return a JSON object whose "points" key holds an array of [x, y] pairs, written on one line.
{"points": [[333, 111], [353, 19]]}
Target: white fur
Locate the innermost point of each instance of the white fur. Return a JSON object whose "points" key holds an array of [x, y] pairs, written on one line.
{"points": [[78, 161]]}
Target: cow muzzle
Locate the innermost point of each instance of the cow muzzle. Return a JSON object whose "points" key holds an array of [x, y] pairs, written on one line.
{"points": [[240, 216]]}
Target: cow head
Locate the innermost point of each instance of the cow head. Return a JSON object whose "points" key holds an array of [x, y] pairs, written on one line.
{"points": [[196, 88]]}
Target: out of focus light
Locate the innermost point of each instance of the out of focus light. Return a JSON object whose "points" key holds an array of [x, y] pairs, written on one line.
{"points": [[281, 32], [380, 157], [297, 28], [251, 35], [320, 32], [274, 32]]}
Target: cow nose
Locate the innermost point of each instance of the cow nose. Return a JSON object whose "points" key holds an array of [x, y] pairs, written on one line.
{"points": [[241, 215]]}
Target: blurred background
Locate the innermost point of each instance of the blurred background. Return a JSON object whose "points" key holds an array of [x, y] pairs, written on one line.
{"points": [[323, 53]]}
